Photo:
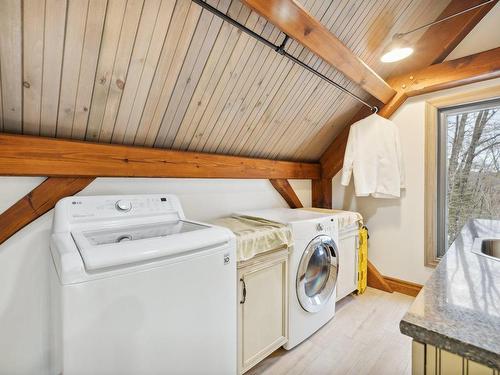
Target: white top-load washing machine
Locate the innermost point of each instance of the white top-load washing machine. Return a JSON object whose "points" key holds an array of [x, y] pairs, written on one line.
{"points": [[138, 289], [313, 269]]}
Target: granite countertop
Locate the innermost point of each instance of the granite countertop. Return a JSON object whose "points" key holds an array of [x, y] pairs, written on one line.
{"points": [[459, 307]]}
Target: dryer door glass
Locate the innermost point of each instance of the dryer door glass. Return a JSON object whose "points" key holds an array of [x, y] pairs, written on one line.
{"points": [[317, 274]]}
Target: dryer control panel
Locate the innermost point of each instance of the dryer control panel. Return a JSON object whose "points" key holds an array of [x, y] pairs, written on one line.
{"points": [[327, 226]]}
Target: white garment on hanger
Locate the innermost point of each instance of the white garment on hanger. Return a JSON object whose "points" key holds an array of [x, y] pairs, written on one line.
{"points": [[373, 155]]}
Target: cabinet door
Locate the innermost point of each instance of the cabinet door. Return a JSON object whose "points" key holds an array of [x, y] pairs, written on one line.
{"points": [[262, 312], [347, 281]]}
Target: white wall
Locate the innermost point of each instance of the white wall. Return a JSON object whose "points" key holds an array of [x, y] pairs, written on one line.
{"points": [[25, 257], [396, 226]]}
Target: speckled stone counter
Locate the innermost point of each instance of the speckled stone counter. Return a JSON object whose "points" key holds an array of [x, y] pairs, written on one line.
{"points": [[459, 307]]}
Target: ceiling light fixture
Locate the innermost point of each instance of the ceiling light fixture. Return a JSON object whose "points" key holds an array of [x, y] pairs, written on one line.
{"points": [[399, 48]]}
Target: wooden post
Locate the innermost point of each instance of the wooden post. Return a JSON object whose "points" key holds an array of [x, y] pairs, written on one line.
{"points": [[285, 189], [322, 193]]}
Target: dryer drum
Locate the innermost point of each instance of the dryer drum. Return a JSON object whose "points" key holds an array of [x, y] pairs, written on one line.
{"points": [[317, 273]]}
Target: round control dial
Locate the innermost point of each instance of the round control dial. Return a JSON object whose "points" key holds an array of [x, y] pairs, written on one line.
{"points": [[123, 206]]}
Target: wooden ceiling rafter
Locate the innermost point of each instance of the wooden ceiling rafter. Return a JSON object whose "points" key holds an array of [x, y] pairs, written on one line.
{"points": [[295, 21]]}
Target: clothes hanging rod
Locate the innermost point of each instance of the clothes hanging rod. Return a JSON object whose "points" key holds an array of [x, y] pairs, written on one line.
{"points": [[281, 50]]}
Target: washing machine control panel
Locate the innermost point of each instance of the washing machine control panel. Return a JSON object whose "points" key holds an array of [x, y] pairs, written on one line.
{"points": [[99, 208], [123, 205]]}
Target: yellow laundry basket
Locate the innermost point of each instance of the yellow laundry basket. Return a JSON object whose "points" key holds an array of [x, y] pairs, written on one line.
{"points": [[362, 259]]}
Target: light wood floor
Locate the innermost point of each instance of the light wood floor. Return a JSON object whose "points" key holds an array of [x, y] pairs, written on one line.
{"points": [[362, 338]]}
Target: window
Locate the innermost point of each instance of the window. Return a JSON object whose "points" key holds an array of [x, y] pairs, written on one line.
{"points": [[468, 168]]}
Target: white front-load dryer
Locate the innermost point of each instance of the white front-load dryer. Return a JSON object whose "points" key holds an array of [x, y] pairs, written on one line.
{"points": [[313, 269]]}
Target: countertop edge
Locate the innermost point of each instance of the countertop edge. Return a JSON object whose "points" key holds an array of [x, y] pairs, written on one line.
{"points": [[471, 352]]}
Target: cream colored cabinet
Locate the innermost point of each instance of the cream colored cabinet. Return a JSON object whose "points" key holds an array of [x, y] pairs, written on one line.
{"points": [[347, 281], [430, 360], [262, 307]]}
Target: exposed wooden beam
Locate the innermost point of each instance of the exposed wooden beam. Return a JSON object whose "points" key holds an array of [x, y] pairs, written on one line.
{"points": [[474, 68], [38, 156], [320, 196], [469, 69], [285, 189], [291, 18], [40, 200], [376, 280]]}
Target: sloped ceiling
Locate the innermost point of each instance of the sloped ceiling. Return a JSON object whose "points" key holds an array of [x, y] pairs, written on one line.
{"points": [[165, 73]]}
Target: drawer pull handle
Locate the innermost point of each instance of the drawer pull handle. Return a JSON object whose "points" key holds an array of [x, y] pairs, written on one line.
{"points": [[244, 291]]}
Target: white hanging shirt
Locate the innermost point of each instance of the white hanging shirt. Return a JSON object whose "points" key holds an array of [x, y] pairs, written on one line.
{"points": [[373, 155]]}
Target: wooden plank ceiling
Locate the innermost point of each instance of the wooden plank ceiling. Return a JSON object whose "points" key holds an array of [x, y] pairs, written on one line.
{"points": [[167, 74]]}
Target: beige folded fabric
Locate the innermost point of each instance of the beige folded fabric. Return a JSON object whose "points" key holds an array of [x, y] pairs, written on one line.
{"points": [[345, 218], [255, 235]]}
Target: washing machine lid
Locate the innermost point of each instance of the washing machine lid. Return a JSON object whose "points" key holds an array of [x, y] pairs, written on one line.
{"points": [[138, 232], [115, 246]]}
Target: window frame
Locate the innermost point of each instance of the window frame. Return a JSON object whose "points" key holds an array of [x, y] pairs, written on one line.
{"points": [[442, 161], [434, 108]]}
